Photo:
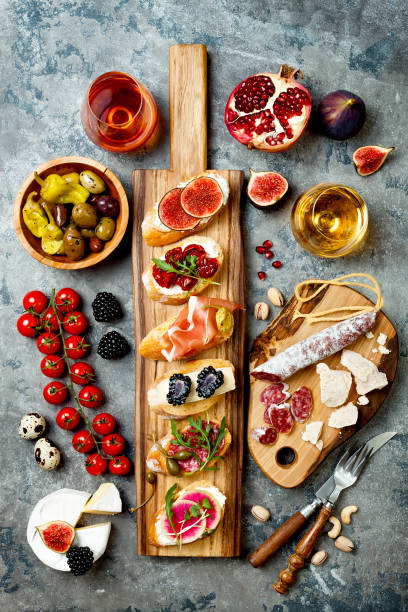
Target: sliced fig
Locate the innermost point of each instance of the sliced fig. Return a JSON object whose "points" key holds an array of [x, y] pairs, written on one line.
{"points": [[57, 535], [171, 213], [368, 160], [266, 188], [189, 530], [202, 197], [205, 500], [341, 114]]}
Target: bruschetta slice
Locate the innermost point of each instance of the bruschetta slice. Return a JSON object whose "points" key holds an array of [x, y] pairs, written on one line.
{"points": [[187, 515], [185, 209], [201, 324], [186, 268], [191, 388], [193, 456]]}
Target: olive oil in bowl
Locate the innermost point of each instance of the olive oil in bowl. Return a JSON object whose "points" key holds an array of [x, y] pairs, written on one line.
{"points": [[329, 220]]}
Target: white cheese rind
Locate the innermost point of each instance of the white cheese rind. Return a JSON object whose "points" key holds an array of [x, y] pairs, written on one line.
{"points": [[312, 432], [344, 417], [158, 395], [106, 500], [366, 374], [334, 385]]}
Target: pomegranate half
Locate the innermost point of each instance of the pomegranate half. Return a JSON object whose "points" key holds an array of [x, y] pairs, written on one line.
{"points": [[269, 111]]}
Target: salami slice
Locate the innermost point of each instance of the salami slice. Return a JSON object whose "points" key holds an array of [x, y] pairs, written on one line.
{"points": [[265, 435], [275, 394], [281, 418], [302, 404], [314, 348]]}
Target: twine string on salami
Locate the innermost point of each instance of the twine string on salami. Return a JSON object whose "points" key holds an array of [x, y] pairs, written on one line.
{"points": [[330, 315]]}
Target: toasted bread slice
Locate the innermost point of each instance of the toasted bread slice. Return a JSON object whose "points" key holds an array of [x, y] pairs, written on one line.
{"points": [[154, 535], [188, 408], [156, 461], [175, 295], [156, 233]]}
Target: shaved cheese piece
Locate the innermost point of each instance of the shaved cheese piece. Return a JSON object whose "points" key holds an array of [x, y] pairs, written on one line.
{"points": [[369, 335], [312, 433], [344, 417], [334, 385], [319, 444], [382, 339], [374, 350], [383, 350], [366, 374], [363, 400]]}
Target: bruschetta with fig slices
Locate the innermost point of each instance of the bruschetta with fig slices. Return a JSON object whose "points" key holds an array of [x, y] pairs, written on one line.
{"points": [[186, 268], [201, 324], [187, 515], [193, 449], [191, 388], [186, 209]]}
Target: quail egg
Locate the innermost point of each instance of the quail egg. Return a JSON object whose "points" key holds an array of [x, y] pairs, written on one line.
{"points": [[32, 426], [47, 454]]}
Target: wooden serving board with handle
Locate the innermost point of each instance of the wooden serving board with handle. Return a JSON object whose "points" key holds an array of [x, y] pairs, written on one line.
{"points": [[188, 141], [281, 333]]}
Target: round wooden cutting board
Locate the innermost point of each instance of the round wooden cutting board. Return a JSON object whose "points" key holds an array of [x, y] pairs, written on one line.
{"points": [[279, 335]]}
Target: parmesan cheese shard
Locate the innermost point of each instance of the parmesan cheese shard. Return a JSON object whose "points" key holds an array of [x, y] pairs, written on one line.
{"points": [[366, 374], [344, 417], [312, 433], [369, 335], [106, 500], [334, 385], [382, 339], [363, 400], [383, 350]]}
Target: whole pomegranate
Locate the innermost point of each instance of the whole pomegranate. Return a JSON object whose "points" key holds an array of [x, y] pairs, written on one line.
{"points": [[269, 111]]}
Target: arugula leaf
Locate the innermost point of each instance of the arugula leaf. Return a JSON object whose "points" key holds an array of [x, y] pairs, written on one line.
{"points": [[163, 265], [181, 268], [168, 502]]}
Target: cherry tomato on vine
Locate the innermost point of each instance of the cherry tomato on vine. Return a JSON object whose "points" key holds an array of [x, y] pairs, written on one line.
{"points": [[27, 325], [104, 423], [67, 299], [120, 465], [82, 441], [82, 373], [75, 322], [35, 301], [113, 444], [48, 343], [68, 418], [53, 366], [49, 320], [55, 392], [76, 347], [90, 396], [95, 464]]}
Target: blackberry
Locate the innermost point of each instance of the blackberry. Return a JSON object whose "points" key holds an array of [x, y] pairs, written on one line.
{"points": [[179, 388], [80, 559], [106, 307], [113, 345], [208, 381]]}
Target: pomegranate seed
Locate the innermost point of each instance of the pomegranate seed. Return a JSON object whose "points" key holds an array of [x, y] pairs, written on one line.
{"points": [[277, 264], [262, 275], [268, 254], [260, 249], [267, 244]]}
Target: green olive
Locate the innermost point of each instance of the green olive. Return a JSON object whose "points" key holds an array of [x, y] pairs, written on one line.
{"points": [[172, 466], [182, 455], [87, 233], [85, 215], [151, 477], [74, 244], [92, 182], [105, 228]]}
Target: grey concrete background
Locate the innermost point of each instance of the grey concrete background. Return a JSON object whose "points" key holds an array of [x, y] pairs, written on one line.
{"points": [[50, 52]]}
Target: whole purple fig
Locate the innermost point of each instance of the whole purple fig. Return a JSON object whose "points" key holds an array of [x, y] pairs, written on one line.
{"points": [[341, 114], [106, 205]]}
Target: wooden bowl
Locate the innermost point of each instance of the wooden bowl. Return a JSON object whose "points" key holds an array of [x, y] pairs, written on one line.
{"points": [[64, 165]]}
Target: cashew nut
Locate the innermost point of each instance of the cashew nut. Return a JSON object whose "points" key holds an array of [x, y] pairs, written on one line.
{"points": [[335, 530], [346, 514]]}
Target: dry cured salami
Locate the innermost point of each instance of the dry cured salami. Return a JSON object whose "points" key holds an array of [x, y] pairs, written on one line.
{"points": [[302, 404], [314, 348], [265, 435], [275, 394], [280, 417]]}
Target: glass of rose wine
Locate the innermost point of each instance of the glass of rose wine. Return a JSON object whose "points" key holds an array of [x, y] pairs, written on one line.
{"points": [[119, 113]]}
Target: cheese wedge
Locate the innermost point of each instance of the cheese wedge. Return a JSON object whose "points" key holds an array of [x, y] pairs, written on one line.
{"points": [[344, 417], [106, 500], [312, 434], [94, 536], [334, 385], [366, 374]]}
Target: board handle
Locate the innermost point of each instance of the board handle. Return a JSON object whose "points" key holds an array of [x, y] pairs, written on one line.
{"points": [[188, 109], [302, 551]]}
